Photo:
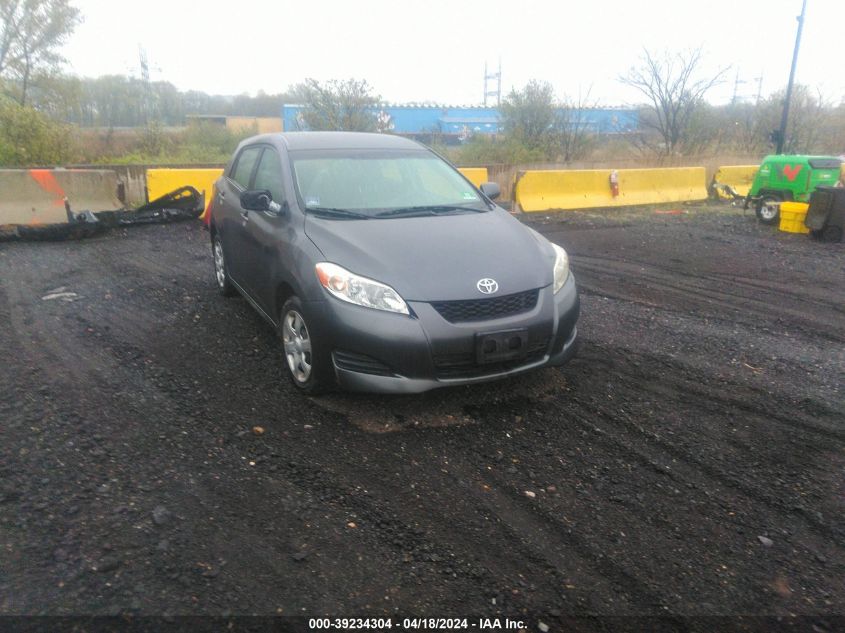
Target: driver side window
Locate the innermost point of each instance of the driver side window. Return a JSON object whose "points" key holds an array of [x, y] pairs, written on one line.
{"points": [[243, 168], [269, 174]]}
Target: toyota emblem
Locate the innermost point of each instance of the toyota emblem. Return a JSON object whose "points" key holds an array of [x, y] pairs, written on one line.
{"points": [[487, 286]]}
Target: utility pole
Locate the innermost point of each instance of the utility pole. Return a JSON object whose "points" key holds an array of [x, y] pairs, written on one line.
{"points": [[781, 137], [736, 86], [485, 84], [498, 91], [146, 104]]}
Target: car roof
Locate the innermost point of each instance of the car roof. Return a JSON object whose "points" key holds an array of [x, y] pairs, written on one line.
{"points": [[337, 140]]}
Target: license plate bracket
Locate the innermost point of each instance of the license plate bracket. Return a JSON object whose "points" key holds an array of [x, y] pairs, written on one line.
{"points": [[496, 347]]}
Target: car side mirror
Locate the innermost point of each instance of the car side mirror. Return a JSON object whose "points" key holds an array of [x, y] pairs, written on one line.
{"points": [[260, 200], [491, 190]]}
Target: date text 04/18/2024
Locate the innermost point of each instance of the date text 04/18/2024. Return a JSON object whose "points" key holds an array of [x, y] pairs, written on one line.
{"points": [[424, 624]]}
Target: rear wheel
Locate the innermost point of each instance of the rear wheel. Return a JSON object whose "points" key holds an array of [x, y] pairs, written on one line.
{"points": [[768, 209], [301, 358], [221, 273]]}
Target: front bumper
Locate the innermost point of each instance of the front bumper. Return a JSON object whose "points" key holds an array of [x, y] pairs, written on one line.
{"points": [[381, 352]]}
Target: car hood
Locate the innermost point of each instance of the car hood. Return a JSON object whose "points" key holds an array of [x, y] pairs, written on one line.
{"points": [[437, 258]]}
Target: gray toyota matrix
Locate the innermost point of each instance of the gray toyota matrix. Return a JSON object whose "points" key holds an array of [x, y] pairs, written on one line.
{"points": [[383, 268]]}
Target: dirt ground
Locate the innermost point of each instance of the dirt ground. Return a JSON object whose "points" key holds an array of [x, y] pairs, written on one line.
{"points": [[155, 460]]}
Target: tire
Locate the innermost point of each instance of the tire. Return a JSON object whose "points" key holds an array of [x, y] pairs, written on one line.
{"points": [[831, 233], [221, 272], [768, 209], [304, 363]]}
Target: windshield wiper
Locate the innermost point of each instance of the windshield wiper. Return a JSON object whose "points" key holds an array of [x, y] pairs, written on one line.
{"points": [[432, 209], [334, 212]]}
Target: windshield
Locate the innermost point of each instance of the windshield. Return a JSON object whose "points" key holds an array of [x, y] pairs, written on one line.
{"points": [[381, 183]]}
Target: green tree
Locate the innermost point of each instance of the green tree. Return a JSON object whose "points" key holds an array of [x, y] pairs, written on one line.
{"points": [[28, 138], [31, 33], [529, 115], [337, 104]]}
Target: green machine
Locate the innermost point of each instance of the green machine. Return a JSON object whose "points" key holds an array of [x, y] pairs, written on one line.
{"points": [[789, 177]]}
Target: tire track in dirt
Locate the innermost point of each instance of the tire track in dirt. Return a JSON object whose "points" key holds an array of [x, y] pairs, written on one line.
{"points": [[653, 466], [134, 364], [169, 379], [635, 268], [444, 533], [676, 378], [654, 449], [655, 288]]}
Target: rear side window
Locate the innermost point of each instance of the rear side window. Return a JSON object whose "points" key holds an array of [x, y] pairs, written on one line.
{"points": [[825, 163], [269, 174], [244, 166]]}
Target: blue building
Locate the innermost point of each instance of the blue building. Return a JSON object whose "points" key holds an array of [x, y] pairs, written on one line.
{"points": [[459, 122]]}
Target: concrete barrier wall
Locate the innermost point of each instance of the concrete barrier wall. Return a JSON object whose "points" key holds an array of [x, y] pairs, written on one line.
{"points": [[476, 175], [739, 177], [37, 196], [134, 178], [163, 181], [584, 189]]}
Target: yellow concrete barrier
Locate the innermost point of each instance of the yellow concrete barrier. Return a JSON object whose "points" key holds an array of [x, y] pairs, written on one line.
{"points": [[585, 189], [739, 177], [476, 175], [37, 196], [162, 181]]}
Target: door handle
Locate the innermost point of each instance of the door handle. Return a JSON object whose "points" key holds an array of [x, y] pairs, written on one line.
{"points": [[245, 216]]}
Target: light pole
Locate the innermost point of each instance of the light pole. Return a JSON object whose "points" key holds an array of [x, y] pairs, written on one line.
{"points": [[785, 116]]}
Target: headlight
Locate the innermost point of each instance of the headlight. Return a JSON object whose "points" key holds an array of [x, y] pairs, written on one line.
{"points": [[561, 267], [359, 290]]}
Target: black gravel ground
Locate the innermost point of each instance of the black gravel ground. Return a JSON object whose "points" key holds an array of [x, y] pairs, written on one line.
{"points": [[154, 459]]}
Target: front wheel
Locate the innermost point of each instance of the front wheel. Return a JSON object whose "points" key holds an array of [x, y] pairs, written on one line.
{"points": [[768, 210], [301, 358], [221, 272]]}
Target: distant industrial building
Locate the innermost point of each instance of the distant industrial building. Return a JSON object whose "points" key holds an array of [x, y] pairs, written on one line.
{"points": [[262, 124], [461, 122]]}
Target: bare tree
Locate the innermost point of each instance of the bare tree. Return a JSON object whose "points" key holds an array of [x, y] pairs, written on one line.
{"points": [[809, 122], [674, 91], [747, 126], [31, 32], [574, 138], [8, 31], [337, 105]]}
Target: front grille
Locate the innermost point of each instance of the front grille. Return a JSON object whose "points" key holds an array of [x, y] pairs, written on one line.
{"points": [[485, 309], [464, 365], [360, 363]]}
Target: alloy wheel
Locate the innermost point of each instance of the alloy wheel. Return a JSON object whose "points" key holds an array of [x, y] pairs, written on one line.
{"points": [[219, 263], [297, 343]]}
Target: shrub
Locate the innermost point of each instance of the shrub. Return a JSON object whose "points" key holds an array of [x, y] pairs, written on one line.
{"points": [[29, 138], [487, 151]]}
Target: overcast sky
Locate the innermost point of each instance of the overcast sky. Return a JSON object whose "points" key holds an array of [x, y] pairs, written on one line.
{"points": [[435, 50]]}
